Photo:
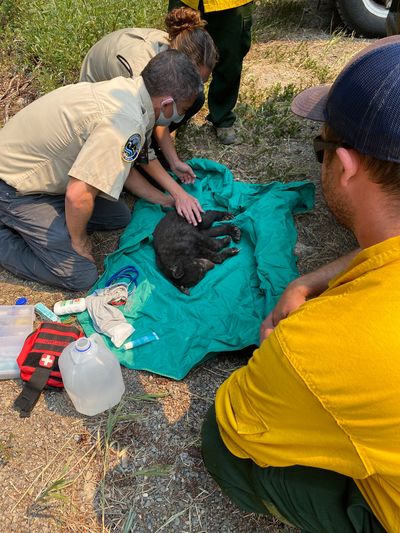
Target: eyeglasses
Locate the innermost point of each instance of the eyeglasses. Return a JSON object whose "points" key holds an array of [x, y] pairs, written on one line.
{"points": [[320, 146]]}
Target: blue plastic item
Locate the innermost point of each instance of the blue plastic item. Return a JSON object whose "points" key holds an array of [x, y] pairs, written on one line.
{"points": [[130, 273]]}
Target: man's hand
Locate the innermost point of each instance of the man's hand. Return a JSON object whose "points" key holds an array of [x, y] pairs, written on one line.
{"points": [[188, 206], [83, 248], [292, 298], [183, 171], [299, 290]]}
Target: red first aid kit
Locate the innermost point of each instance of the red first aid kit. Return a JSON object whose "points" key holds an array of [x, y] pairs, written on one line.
{"points": [[38, 361]]}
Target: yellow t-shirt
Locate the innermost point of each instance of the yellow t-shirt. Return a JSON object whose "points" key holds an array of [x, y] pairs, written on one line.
{"points": [[216, 5], [79, 130], [324, 389]]}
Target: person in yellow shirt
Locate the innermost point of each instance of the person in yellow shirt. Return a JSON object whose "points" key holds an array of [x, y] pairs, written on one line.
{"points": [[66, 157], [308, 430], [229, 23]]}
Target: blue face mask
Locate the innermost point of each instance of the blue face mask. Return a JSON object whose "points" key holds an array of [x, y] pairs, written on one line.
{"points": [[175, 117]]}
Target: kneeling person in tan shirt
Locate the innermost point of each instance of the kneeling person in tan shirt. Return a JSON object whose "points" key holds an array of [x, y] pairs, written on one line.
{"points": [[65, 158]]}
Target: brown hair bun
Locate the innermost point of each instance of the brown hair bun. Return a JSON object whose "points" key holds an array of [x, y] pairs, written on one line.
{"points": [[181, 19]]}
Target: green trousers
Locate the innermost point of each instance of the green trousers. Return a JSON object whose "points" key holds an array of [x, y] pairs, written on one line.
{"points": [[231, 33], [312, 499]]}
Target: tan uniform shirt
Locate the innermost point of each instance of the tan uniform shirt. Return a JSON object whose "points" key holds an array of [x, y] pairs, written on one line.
{"points": [[79, 130], [136, 45]]}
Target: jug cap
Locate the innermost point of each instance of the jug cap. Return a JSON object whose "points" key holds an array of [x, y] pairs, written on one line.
{"points": [[83, 344]]}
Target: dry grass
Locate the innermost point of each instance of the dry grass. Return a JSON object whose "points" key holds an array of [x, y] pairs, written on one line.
{"points": [[139, 468]]}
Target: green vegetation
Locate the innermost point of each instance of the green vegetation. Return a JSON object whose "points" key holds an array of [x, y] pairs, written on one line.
{"points": [[54, 490], [275, 17], [51, 37], [268, 111]]}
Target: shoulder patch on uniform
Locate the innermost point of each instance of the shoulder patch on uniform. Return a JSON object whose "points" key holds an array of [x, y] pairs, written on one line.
{"points": [[132, 148]]}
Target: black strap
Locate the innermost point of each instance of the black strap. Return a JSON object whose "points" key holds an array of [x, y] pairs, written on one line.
{"points": [[29, 395], [143, 157], [124, 62]]}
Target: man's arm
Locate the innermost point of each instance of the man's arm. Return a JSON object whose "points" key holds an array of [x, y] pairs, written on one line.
{"points": [[79, 205], [185, 204], [303, 288], [178, 167], [142, 188]]}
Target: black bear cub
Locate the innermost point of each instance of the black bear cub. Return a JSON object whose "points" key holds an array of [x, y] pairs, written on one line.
{"points": [[185, 253]]}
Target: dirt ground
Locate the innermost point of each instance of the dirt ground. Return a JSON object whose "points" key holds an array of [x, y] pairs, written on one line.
{"points": [[140, 470]]}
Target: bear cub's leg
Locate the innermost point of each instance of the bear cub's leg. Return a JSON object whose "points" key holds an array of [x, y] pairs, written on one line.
{"points": [[209, 217], [219, 257], [224, 229]]}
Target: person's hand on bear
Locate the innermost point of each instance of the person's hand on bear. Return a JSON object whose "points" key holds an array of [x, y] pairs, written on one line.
{"points": [[189, 207]]}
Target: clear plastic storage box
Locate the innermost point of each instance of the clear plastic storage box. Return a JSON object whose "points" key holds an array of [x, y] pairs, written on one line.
{"points": [[16, 323]]}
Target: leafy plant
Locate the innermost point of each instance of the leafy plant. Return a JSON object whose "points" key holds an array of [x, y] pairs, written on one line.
{"points": [[54, 490], [55, 35]]}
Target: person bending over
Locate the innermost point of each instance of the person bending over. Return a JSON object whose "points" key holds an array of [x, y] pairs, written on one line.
{"points": [[126, 52]]}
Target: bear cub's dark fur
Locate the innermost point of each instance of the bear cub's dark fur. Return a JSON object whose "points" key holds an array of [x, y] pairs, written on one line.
{"points": [[185, 253]]}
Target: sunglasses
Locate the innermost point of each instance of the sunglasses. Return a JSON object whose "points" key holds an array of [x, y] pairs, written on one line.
{"points": [[320, 146]]}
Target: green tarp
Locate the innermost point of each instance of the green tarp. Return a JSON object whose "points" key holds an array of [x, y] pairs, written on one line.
{"points": [[224, 311]]}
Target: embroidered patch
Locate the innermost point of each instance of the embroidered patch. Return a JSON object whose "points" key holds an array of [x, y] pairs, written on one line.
{"points": [[132, 148]]}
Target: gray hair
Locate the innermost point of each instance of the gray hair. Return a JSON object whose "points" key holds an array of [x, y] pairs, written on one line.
{"points": [[172, 73]]}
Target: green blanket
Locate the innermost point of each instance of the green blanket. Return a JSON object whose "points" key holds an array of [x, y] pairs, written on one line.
{"points": [[224, 311]]}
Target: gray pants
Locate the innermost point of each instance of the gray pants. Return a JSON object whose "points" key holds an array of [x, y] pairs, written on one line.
{"points": [[35, 242]]}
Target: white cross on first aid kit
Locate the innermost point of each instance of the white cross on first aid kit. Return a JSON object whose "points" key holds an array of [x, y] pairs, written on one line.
{"points": [[47, 360]]}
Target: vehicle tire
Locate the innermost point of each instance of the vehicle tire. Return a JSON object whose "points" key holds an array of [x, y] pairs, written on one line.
{"points": [[366, 17]]}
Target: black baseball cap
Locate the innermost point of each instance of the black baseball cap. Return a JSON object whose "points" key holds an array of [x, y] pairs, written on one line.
{"points": [[362, 106]]}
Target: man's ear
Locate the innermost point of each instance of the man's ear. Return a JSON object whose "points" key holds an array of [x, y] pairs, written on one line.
{"points": [[166, 100], [350, 163], [177, 271]]}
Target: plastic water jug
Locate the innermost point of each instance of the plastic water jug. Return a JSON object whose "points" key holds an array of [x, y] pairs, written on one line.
{"points": [[91, 374]]}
